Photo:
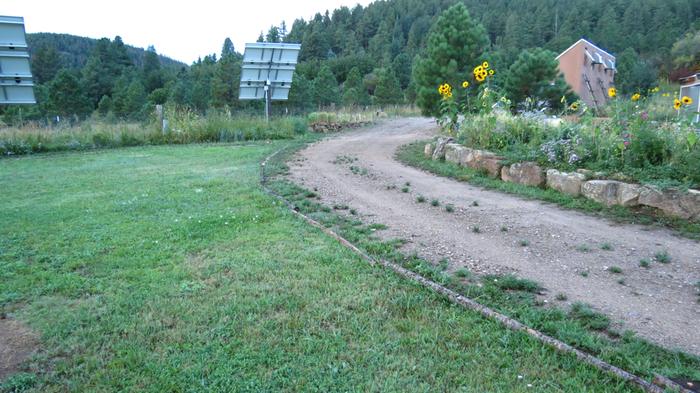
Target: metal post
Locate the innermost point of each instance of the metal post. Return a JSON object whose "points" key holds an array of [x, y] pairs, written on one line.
{"points": [[268, 100]]}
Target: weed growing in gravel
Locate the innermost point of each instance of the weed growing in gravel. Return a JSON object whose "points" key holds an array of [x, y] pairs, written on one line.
{"points": [[584, 273], [407, 184], [405, 189], [561, 297], [420, 199], [449, 208], [644, 263], [377, 227], [390, 186], [615, 269], [353, 212], [444, 264], [588, 317], [475, 203], [464, 273], [310, 194], [435, 202], [524, 243], [621, 281], [341, 207], [583, 248], [359, 171], [504, 228], [662, 257], [476, 229], [606, 247]]}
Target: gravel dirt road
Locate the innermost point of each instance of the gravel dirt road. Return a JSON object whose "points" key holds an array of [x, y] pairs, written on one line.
{"points": [[660, 303]]}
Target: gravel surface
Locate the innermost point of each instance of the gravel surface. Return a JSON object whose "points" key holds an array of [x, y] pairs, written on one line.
{"points": [[567, 252]]}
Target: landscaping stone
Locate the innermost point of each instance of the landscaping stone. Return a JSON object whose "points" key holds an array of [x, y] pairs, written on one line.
{"points": [[454, 153], [428, 150], [602, 191], [526, 173], [492, 166], [672, 202], [439, 152], [567, 183], [628, 194], [585, 172]]}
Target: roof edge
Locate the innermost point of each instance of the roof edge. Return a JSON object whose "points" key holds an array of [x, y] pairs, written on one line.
{"points": [[589, 43]]}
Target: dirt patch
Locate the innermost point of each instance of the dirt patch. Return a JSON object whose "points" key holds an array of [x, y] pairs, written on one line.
{"points": [[17, 344], [585, 258]]}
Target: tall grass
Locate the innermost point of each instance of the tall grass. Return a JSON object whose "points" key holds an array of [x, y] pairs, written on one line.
{"points": [[185, 127]]}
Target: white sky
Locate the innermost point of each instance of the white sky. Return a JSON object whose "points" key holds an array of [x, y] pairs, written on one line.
{"points": [[178, 29]]}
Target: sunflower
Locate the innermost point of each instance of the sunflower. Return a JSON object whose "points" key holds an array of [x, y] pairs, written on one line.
{"points": [[465, 84], [480, 77], [478, 70], [491, 72], [612, 92], [485, 64], [655, 90], [676, 104], [636, 97], [574, 106], [686, 100]]}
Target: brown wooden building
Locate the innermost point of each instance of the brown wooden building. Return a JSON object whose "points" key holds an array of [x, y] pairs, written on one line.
{"points": [[589, 70]]}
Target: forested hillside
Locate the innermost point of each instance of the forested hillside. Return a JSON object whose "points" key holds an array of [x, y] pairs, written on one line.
{"points": [[355, 56]]}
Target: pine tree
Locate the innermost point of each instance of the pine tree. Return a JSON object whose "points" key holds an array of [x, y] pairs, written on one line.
{"points": [[104, 106], [66, 96], [45, 63], [325, 88], [535, 74], [301, 94], [388, 91], [454, 48], [273, 35], [354, 92], [634, 75], [227, 49], [151, 74]]}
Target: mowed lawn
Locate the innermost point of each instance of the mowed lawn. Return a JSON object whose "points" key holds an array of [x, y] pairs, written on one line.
{"points": [[168, 269]]}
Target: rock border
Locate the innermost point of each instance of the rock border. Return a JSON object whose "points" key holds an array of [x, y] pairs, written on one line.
{"points": [[672, 202]]}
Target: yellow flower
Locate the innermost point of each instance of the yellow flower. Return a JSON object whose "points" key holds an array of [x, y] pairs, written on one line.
{"points": [[636, 97], [478, 70], [655, 90], [465, 84], [686, 100], [574, 106], [485, 64], [491, 72], [666, 95], [612, 92], [479, 77], [676, 104]]}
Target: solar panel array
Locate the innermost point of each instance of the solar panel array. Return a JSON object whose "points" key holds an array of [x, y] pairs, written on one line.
{"points": [[16, 85], [263, 62]]}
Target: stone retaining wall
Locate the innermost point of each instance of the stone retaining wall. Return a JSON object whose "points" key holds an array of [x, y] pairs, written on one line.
{"points": [[674, 203]]}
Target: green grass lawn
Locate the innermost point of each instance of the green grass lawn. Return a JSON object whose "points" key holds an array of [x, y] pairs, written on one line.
{"points": [[168, 269]]}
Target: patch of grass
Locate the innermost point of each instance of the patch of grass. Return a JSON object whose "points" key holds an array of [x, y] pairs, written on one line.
{"points": [[523, 243], [504, 228], [584, 273], [615, 269], [434, 202], [561, 297], [464, 273], [412, 154], [407, 184], [590, 318], [583, 248], [513, 283], [444, 264], [353, 212], [476, 229], [621, 281], [606, 247], [405, 189], [341, 207], [475, 203], [449, 208], [644, 263], [420, 199], [662, 257]]}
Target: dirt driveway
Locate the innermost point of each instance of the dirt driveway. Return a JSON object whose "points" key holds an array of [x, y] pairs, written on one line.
{"points": [[565, 251]]}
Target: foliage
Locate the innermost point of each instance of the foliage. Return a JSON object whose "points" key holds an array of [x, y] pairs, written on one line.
{"points": [[686, 51], [535, 75], [388, 90], [455, 44], [634, 74]]}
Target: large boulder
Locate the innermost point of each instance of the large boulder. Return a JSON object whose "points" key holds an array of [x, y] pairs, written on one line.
{"points": [[602, 191], [428, 150], [628, 194], [567, 183], [672, 202], [439, 152], [483, 160], [526, 173], [454, 153]]}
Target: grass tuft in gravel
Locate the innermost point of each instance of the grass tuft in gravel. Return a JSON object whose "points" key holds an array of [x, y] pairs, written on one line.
{"points": [[662, 257], [435, 202]]}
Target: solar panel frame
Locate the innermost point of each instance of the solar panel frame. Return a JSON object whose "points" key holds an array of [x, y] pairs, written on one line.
{"points": [[268, 63], [16, 82]]}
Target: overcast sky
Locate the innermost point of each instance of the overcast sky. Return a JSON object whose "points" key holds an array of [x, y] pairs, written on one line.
{"points": [[181, 30]]}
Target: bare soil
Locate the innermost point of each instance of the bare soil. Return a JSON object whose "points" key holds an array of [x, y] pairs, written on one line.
{"points": [[659, 303], [17, 344]]}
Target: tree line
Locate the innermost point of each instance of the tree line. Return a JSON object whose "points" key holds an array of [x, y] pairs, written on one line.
{"points": [[360, 55]]}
